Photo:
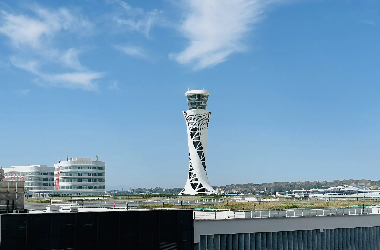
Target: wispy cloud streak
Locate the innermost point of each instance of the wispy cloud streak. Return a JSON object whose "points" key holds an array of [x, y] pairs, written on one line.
{"points": [[215, 29], [23, 92], [74, 80], [36, 32], [131, 51], [33, 38], [135, 19], [114, 85], [370, 22]]}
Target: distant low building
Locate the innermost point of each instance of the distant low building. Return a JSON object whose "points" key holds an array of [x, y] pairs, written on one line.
{"points": [[39, 179], [339, 191], [79, 176]]}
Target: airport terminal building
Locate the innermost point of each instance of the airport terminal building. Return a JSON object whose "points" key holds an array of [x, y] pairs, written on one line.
{"points": [[79, 176], [39, 179], [73, 177]]}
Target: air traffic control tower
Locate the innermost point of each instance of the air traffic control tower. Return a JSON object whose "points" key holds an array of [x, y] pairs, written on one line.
{"points": [[197, 118]]}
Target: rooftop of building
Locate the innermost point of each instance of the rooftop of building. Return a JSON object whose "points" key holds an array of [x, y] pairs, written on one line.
{"points": [[79, 160], [197, 92], [28, 168]]}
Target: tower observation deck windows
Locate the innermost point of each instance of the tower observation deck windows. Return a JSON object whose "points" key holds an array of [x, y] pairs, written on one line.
{"points": [[197, 101]]}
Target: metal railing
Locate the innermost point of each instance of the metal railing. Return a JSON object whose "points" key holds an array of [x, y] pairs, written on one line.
{"points": [[291, 213]]}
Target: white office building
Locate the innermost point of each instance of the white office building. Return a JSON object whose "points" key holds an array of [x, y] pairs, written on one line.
{"points": [[39, 179], [197, 119], [80, 176]]}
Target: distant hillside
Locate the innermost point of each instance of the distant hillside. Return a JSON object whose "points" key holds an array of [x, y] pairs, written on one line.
{"points": [[267, 188], [288, 186]]}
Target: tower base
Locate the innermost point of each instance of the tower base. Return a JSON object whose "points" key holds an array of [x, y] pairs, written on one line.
{"points": [[189, 190]]}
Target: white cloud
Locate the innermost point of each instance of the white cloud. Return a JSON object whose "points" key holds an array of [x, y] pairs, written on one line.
{"points": [[370, 22], [65, 19], [82, 80], [30, 66], [4, 65], [23, 31], [135, 19], [215, 29], [70, 59], [34, 39], [85, 80], [36, 32], [23, 92], [114, 85], [131, 51]]}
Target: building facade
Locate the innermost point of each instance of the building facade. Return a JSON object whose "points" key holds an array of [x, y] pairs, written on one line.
{"points": [[39, 179], [197, 119], [79, 176], [11, 194]]}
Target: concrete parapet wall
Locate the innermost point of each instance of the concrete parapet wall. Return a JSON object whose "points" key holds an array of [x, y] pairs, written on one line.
{"points": [[359, 238], [213, 227]]}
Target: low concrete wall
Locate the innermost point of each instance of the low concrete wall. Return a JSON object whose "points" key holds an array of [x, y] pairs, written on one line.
{"points": [[358, 238], [235, 226]]}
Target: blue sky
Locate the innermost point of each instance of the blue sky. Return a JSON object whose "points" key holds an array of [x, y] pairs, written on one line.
{"points": [[294, 87]]}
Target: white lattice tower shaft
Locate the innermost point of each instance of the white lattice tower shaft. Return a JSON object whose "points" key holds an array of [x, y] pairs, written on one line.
{"points": [[197, 120]]}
